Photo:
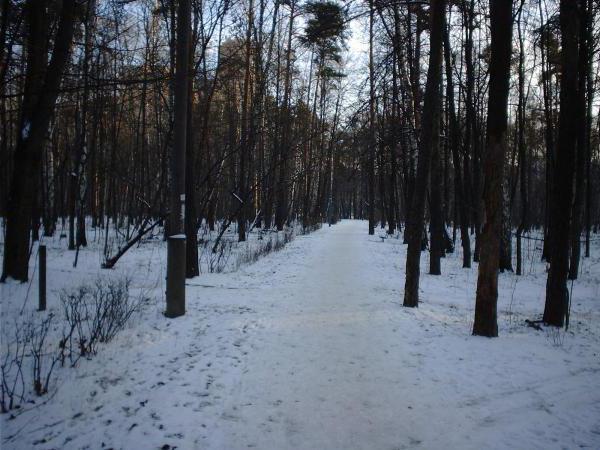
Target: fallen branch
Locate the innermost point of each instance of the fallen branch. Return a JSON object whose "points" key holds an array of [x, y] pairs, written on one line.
{"points": [[110, 262]]}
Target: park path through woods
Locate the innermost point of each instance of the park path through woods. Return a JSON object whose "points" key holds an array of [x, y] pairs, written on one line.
{"points": [[337, 363], [310, 348], [329, 372]]}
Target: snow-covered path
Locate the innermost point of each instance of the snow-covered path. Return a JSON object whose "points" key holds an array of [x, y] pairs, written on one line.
{"points": [[326, 356], [337, 363], [310, 348]]}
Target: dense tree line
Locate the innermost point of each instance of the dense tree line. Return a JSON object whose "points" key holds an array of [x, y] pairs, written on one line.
{"points": [[477, 121]]}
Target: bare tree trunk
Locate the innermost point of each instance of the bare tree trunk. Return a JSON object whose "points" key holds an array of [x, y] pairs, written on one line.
{"points": [[372, 131], [557, 295], [245, 131], [28, 154], [426, 147], [192, 268], [436, 224], [485, 323], [281, 212], [455, 145], [549, 137], [505, 253], [582, 140], [523, 162], [589, 188]]}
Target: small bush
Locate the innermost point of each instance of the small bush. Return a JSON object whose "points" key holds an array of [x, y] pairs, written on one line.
{"points": [[94, 314], [43, 359], [28, 348], [12, 389]]}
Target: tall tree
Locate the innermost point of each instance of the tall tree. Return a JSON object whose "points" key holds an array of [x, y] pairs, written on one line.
{"points": [[427, 142], [522, 151], [485, 323], [34, 126], [454, 136], [281, 212], [582, 140], [372, 124], [557, 294], [436, 219]]}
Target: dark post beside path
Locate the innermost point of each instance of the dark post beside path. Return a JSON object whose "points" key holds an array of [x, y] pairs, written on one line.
{"points": [[42, 278]]}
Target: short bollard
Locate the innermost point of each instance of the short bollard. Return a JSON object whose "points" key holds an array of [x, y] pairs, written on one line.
{"points": [[42, 278]]}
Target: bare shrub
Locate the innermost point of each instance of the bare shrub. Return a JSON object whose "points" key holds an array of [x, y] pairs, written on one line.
{"points": [[44, 359], [307, 229], [30, 347], [94, 314], [216, 261], [12, 389], [252, 253]]}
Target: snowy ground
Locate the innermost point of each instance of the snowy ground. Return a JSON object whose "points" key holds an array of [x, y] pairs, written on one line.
{"points": [[310, 348]]}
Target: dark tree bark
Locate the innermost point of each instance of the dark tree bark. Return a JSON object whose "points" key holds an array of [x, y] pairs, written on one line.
{"points": [[245, 141], [589, 188], [427, 141], [485, 323], [372, 125], [436, 224], [192, 269], [281, 211], [29, 150], [455, 146], [557, 294], [582, 140], [470, 141], [523, 161], [548, 133]]}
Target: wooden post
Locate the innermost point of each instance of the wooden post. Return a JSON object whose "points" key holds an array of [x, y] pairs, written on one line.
{"points": [[42, 278]]}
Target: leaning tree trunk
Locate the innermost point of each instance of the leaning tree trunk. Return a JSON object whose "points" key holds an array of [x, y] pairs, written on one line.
{"points": [[487, 281], [557, 295], [29, 150], [428, 140]]}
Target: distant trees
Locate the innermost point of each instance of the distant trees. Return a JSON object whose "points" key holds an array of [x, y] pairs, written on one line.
{"points": [[263, 147], [277, 133]]}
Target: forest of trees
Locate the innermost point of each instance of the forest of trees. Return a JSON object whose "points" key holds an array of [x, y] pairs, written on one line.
{"points": [[474, 120]]}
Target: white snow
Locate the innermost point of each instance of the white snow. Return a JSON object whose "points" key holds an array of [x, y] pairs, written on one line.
{"points": [[310, 348]]}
